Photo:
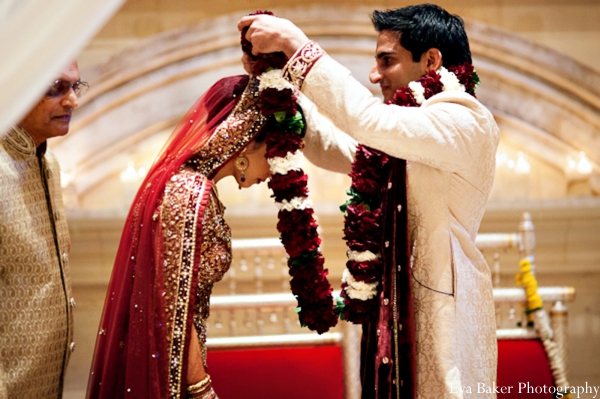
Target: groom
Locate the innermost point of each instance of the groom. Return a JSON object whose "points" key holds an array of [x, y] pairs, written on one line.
{"points": [[433, 330]]}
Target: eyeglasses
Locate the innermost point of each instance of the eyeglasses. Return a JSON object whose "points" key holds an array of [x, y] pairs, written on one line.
{"points": [[61, 87]]}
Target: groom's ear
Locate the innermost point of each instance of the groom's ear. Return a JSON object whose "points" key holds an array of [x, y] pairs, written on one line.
{"points": [[431, 60]]}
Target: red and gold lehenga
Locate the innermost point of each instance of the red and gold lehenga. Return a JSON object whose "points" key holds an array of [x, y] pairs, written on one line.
{"points": [[175, 246]]}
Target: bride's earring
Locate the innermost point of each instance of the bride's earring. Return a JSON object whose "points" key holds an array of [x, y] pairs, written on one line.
{"points": [[241, 164]]}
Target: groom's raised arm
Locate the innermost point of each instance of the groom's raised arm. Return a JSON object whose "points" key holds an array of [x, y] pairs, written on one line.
{"points": [[326, 146]]}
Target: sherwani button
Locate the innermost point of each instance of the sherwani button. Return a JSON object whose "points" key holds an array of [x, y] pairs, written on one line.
{"points": [[72, 346], [385, 360], [400, 327], [386, 301], [387, 244], [389, 185], [65, 257], [73, 304], [399, 208]]}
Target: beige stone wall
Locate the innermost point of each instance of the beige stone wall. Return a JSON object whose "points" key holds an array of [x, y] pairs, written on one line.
{"points": [[569, 26]]}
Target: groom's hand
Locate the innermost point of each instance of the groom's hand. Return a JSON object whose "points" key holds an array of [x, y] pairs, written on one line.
{"points": [[269, 34]]}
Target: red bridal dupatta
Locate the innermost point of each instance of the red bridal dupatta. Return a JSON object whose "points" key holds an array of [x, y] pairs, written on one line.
{"points": [[143, 338]]}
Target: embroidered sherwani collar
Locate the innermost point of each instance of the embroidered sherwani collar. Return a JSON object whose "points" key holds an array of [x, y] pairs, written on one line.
{"points": [[22, 143]]}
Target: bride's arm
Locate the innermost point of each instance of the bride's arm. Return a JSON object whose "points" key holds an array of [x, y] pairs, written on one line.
{"points": [[195, 369], [199, 384]]}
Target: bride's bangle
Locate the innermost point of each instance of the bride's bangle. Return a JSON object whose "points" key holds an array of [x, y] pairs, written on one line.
{"points": [[208, 393], [199, 386]]}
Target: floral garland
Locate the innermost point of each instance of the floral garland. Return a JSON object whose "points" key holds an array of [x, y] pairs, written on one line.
{"points": [[536, 314], [297, 225], [361, 280]]}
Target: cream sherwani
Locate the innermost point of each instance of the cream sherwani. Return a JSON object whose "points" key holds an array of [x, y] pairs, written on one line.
{"points": [[450, 145], [36, 326]]}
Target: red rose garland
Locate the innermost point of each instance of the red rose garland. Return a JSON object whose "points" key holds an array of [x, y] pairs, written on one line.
{"points": [[297, 225], [361, 281]]}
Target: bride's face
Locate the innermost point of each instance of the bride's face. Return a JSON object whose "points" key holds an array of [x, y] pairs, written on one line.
{"points": [[258, 169]]}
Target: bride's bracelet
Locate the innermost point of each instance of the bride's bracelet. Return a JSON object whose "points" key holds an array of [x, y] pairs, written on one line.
{"points": [[199, 386], [202, 390], [209, 393]]}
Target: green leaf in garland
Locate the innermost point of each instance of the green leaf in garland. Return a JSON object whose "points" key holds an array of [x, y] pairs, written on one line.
{"points": [[345, 205], [296, 124], [358, 199], [280, 116], [289, 124], [304, 258], [339, 307], [476, 80]]}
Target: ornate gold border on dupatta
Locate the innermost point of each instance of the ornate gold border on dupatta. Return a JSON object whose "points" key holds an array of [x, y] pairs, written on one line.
{"points": [[181, 212], [233, 134]]}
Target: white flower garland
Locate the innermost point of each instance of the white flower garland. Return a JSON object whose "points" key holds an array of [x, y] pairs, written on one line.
{"points": [[300, 203], [418, 91], [557, 366], [292, 161], [309, 283], [527, 279], [449, 81], [272, 79], [364, 256], [359, 289]]}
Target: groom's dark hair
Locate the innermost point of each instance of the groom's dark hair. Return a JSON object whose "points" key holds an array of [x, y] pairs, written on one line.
{"points": [[427, 26]]}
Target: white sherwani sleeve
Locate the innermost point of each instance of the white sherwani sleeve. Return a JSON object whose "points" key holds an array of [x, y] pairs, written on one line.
{"points": [[440, 134], [326, 146]]}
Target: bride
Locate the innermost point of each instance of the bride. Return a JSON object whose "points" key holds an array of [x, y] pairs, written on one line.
{"points": [[174, 247]]}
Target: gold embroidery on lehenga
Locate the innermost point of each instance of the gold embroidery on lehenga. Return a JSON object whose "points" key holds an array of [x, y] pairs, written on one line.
{"points": [[187, 239], [215, 259], [183, 235]]}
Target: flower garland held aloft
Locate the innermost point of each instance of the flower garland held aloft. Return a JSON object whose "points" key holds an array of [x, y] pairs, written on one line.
{"points": [[297, 225], [361, 281], [536, 314]]}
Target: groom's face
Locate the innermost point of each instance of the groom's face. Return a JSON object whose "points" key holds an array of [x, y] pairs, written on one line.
{"points": [[394, 66]]}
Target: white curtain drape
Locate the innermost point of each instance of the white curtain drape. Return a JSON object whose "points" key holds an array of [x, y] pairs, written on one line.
{"points": [[37, 39]]}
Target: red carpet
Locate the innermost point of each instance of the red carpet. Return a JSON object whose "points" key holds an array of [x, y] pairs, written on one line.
{"points": [[523, 365], [290, 373], [316, 372]]}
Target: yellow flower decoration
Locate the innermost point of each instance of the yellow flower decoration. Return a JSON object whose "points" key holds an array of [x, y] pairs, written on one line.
{"points": [[527, 280], [535, 310]]}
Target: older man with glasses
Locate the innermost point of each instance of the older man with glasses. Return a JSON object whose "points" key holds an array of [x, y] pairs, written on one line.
{"points": [[36, 327]]}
